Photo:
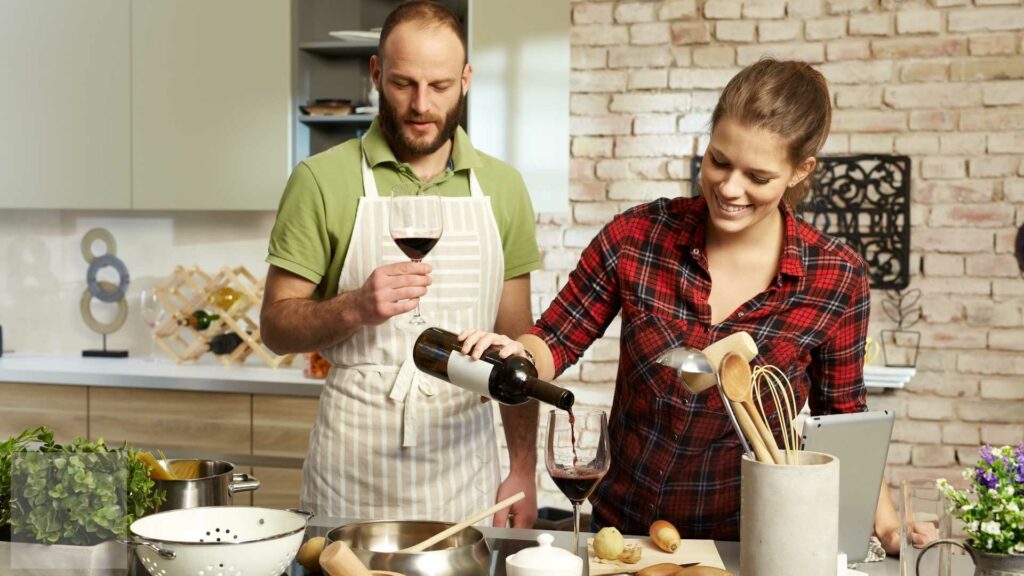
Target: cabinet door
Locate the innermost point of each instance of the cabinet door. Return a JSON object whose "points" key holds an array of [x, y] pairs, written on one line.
{"points": [[281, 425], [65, 104], [64, 409], [279, 487], [211, 103], [189, 424]]}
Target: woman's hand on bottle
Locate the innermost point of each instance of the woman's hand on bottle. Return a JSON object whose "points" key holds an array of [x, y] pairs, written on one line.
{"points": [[476, 342]]}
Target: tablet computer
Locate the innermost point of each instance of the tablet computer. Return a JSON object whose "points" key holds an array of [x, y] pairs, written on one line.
{"points": [[861, 442]]}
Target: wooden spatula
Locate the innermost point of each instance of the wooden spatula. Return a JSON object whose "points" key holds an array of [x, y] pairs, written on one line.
{"points": [[465, 523]]}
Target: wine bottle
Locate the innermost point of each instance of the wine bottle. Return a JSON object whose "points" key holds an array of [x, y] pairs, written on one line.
{"points": [[224, 297], [225, 343], [511, 380], [199, 320]]}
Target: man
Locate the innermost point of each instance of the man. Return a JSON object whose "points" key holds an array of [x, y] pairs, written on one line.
{"points": [[389, 441]]}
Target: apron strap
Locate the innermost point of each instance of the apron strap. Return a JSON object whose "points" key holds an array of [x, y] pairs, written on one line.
{"points": [[369, 184], [409, 384]]}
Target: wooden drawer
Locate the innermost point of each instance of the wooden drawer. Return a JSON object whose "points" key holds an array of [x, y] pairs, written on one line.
{"points": [[199, 423], [63, 408], [281, 425], [279, 487]]}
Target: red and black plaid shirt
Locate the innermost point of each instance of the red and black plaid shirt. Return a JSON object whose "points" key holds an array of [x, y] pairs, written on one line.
{"points": [[675, 455]]}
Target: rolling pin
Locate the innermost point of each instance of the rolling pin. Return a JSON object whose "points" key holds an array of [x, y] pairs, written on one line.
{"points": [[339, 560], [738, 342]]}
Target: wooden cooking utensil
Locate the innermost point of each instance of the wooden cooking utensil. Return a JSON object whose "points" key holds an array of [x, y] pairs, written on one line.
{"points": [[339, 560], [738, 386], [738, 342], [464, 524]]}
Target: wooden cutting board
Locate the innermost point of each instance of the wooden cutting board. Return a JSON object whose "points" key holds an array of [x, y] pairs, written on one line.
{"points": [[702, 551]]}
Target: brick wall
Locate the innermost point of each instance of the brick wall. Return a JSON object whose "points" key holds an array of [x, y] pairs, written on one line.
{"points": [[941, 81]]}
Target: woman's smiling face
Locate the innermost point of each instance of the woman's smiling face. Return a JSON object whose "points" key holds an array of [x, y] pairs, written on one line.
{"points": [[744, 173]]}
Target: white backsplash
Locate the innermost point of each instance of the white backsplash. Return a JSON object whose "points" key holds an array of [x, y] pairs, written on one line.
{"points": [[42, 270]]}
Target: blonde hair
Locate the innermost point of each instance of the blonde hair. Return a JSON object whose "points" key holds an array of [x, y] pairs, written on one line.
{"points": [[784, 97]]}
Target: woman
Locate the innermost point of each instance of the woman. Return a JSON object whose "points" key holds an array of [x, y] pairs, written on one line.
{"points": [[690, 271]]}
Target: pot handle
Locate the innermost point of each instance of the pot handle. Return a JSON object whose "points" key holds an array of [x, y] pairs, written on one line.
{"points": [[165, 554], [242, 483], [933, 543]]}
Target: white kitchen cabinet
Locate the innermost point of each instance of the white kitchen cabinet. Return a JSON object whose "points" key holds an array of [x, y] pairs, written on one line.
{"points": [[65, 104], [211, 103]]}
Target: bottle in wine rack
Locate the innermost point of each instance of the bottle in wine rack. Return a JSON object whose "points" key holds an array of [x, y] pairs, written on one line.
{"points": [[511, 380], [198, 320]]}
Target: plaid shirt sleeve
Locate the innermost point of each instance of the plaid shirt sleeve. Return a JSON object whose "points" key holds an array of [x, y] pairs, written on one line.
{"points": [[587, 304], [837, 364]]}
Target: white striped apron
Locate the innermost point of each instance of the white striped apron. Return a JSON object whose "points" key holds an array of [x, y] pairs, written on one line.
{"points": [[391, 442]]}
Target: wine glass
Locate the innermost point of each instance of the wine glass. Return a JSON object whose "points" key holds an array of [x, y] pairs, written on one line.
{"points": [[415, 224], [152, 311], [577, 457]]}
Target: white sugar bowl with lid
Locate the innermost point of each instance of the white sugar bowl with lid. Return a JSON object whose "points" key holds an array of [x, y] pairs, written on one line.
{"points": [[544, 560]]}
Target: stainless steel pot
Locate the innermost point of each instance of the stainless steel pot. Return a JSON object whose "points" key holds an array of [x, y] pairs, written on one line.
{"points": [[376, 545], [216, 485]]}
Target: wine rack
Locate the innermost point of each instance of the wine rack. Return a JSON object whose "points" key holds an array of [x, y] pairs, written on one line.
{"points": [[187, 290]]}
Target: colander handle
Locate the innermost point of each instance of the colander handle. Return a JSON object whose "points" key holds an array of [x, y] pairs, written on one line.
{"points": [[242, 483], [308, 515], [165, 554]]}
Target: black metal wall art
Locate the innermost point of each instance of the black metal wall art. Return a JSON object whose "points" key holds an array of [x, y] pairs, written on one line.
{"points": [[865, 201]]}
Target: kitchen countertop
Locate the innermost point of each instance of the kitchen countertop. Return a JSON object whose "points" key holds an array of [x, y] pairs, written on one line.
{"points": [[519, 538], [208, 375]]}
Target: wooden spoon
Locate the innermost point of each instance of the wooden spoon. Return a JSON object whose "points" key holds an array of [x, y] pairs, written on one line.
{"points": [[464, 524], [738, 387], [737, 342]]}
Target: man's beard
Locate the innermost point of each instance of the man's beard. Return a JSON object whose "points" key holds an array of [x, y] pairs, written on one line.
{"points": [[401, 145]]}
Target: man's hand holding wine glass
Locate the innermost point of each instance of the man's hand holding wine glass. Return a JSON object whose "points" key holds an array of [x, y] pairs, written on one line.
{"points": [[391, 290]]}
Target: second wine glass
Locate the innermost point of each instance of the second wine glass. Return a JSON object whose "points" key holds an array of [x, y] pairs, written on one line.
{"points": [[577, 457], [415, 223], [152, 312]]}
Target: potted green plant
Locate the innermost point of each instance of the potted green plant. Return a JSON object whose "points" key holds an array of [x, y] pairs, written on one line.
{"points": [[83, 494], [900, 346], [992, 511]]}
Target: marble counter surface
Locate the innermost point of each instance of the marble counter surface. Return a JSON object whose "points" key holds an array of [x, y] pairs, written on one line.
{"points": [[205, 376]]}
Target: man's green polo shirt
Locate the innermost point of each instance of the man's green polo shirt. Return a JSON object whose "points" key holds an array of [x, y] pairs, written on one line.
{"points": [[317, 211]]}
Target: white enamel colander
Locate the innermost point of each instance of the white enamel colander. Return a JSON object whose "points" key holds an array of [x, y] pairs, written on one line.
{"points": [[219, 541]]}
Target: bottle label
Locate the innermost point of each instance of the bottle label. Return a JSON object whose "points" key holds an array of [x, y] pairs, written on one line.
{"points": [[472, 375]]}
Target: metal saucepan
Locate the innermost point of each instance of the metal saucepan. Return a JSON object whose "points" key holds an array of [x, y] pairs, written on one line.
{"points": [[376, 544], [215, 485]]}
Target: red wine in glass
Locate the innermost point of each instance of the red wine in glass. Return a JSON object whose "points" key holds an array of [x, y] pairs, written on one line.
{"points": [[415, 223], [577, 483], [416, 248], [574, 438]]}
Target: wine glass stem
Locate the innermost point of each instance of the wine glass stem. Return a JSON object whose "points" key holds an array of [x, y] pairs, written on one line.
{"points": [[576, 528], [416, 318]]}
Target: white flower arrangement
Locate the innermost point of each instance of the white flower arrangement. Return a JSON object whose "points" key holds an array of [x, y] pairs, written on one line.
{"points": [[991, 508]]}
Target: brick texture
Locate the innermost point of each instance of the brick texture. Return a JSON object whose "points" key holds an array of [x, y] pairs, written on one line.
{"points": [[941, 81]]}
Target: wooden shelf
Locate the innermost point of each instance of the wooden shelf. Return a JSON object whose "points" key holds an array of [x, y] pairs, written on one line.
{"points": [[348, 119], [340, 47]]}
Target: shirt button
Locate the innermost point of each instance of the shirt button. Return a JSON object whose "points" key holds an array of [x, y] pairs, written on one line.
{"points": [[695, 252], [686, 402], [650, 507], [661, 473], [741, 314], [675, 437]]}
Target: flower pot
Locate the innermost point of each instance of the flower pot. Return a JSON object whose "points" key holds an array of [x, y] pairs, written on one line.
{"points": [[985, 564], [900, 347], [40, 559]]}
